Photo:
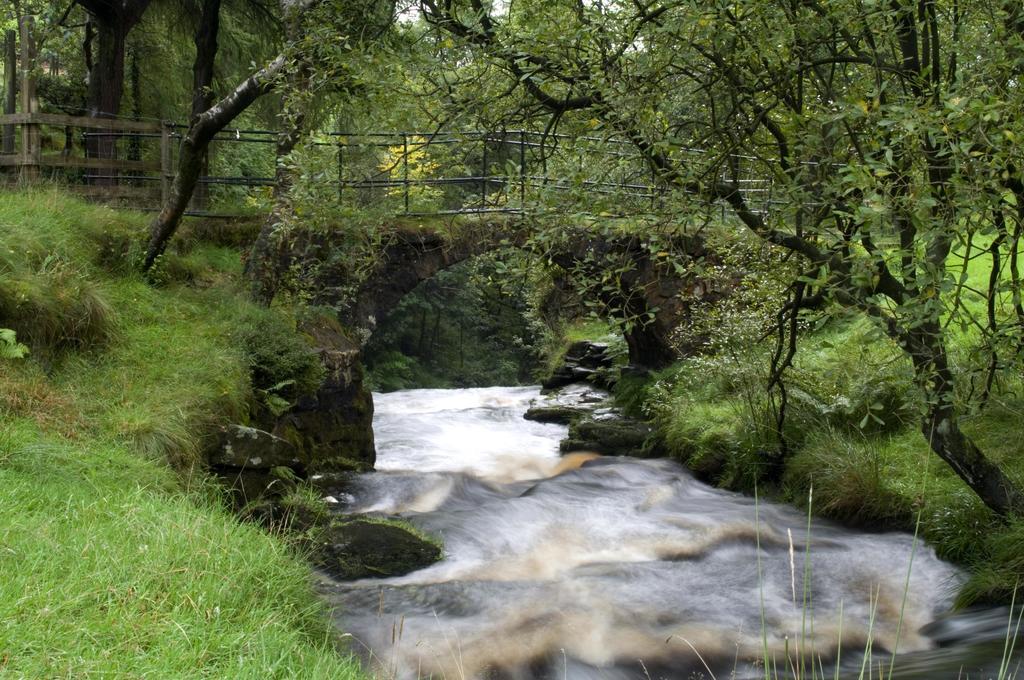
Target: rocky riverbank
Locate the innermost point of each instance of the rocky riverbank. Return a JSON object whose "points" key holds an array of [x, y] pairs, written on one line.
{"points": [[578, 395], [285, 469]]}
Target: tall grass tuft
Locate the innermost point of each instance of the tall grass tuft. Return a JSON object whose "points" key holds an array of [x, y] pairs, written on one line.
{"points": [[55, 307]]}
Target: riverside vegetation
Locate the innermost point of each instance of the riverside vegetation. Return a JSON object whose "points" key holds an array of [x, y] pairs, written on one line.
{"points": [[851, 430], [119, 557]]}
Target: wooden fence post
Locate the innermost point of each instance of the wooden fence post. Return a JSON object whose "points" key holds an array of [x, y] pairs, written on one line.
{"points": [[166, 171], [10, 86], [30, 139]]}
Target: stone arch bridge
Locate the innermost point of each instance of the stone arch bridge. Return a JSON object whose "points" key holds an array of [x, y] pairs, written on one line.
{"points": [[648, 290]]}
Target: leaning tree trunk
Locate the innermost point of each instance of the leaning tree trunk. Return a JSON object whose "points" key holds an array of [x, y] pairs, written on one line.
{"points": [[193, 148], [261, 267], [941, 427]]}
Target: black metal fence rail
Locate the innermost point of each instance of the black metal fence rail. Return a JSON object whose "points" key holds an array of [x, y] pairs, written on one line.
{"points": [[400, 173], [509, 171]]}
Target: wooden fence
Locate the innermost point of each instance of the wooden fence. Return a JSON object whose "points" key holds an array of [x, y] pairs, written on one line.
{"points": [[99, 157], [108, 158]]}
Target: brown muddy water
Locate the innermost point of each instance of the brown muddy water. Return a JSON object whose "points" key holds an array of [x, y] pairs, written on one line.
{"points": [[596, 567]]}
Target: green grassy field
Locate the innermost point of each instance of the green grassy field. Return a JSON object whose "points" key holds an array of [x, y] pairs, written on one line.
{"points": [[118, 557]]}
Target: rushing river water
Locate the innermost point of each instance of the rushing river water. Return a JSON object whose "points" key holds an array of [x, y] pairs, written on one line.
{"points": [[591, 567]]}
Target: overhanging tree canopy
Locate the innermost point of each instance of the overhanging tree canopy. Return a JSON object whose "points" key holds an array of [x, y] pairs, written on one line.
{"points": [[887, 127]]}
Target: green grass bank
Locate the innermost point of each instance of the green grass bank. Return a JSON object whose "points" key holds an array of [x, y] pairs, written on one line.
{"points": [[119, 557]]}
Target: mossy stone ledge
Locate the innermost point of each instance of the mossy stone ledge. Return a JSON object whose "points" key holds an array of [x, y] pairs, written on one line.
{"points": [[357, 548]]}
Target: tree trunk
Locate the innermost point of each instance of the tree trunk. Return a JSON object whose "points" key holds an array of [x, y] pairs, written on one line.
{"points": [[261, 267], [200, 132], [206, 53], [106, 78], [110, 21], [202, 76], [134, 145], [106, 86], [941, 427], [983, 476]]}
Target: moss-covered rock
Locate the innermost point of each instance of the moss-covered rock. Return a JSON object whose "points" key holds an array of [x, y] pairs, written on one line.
{"points": [[253, 449], [369, 548], [562, 415], [610, 436], [584, 361], [344, 547], [332, 428]]}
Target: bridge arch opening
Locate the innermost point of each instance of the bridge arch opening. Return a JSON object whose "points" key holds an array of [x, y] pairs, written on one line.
{"points": [[490, 319]]}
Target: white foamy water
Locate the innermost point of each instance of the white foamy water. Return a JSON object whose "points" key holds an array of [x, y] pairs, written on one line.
{"points": [[479, 431], [607, 567]]}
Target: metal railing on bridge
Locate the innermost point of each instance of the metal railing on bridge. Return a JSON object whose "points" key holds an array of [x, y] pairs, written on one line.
{"points": [[131, 163]]}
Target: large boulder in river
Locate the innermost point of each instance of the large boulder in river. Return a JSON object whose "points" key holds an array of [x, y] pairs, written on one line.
{"points": [[610, 434], [368, 548], [568, 404], [561, 415], [344, 547]]}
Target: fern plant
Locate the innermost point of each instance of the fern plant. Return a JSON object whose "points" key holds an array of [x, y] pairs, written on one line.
{"points": [[10, 348]]}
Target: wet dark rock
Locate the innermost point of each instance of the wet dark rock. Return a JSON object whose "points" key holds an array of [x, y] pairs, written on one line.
{"points": [[330, 430], [610, 436], [595, 423], [253, 464], [589, 354], [253, 449], [246, 486], [568, 404], [343, 547], [562, 415], [580, 395], [593, 398], [584, 361], [361, 548], [333, 482]]}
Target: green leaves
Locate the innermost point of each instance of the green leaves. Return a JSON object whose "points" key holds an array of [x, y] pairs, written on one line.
{"points": [[10, 348]]}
